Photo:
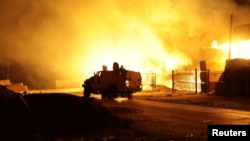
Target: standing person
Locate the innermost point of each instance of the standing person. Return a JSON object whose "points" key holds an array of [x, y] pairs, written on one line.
{"points": [[115, 67]]}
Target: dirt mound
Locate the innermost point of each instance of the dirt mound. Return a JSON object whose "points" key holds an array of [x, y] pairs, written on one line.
{"points": [[65, 110], [52, 115], [235, 78]]}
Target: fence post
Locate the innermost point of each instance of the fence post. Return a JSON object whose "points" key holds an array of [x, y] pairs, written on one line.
{"points": [[196, 81], [172, 81], [208, 81]]}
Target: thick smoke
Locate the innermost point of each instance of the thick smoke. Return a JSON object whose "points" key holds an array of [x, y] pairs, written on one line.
{"points": [[45, 39]]}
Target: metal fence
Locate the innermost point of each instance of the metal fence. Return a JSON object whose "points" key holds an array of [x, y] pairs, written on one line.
{"points": [[149, 82], [185, 80], [194, 80]]}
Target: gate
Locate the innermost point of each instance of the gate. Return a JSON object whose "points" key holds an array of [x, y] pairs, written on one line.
{"points": [[185, 80], [150, 82]]}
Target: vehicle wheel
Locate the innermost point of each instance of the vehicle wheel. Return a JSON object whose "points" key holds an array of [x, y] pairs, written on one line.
{"points": [[103, 96], [86, 92], [112, 92], [130, 95], [110, 95]]}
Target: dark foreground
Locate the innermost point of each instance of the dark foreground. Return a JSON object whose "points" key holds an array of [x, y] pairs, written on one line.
{"points": [[61, 116], [66, 117]]}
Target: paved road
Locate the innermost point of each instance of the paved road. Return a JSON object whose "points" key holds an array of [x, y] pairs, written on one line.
{"points": [[173, 121], [159, 117]]}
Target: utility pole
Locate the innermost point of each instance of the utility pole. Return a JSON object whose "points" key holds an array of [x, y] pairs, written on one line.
{"points": [[230, 37], [8, 71]]}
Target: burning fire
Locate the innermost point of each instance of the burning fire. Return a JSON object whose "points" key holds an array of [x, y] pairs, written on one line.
{"points": [[239, 49], [138, 49]]}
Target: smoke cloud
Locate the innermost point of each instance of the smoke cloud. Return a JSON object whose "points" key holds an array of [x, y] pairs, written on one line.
{"points": [[70, 39]]}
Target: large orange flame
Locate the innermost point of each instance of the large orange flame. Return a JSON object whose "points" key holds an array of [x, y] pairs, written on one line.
{"points": [[140, 50], [238, 49]]}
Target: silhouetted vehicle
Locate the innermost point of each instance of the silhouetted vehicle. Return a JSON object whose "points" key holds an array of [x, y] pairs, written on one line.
{"points": [[112, 84]]}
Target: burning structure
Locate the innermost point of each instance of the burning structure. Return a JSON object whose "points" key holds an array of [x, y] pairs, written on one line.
{"points": [[235, 79]]}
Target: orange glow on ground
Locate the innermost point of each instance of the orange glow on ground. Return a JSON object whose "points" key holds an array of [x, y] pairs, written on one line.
{"points": [[120, 99]]}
